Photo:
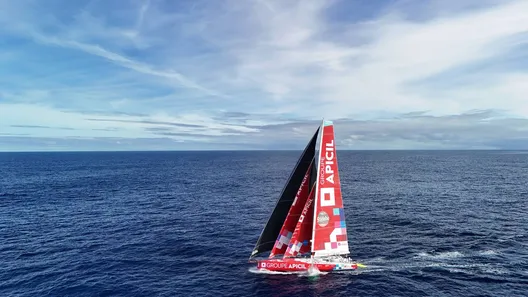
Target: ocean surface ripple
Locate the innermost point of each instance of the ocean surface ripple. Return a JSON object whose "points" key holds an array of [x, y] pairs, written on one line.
{"points": [[425, 223]]}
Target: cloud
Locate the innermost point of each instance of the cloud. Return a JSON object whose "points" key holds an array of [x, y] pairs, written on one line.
{"points": [[89, 27], [480, 129], [40, 127], [476, 130], [148, 122], [384, 72], [392, 74], [96, 50], [182, 127], [486, 129]]}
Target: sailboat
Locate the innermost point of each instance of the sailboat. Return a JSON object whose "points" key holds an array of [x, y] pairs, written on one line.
{"points": [[307, 229]]}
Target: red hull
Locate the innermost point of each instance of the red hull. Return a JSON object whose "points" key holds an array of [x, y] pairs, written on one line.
{"points": [[292, 265]]}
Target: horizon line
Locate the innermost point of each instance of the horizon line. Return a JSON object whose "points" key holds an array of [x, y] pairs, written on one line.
{"points": [[246, 150]]}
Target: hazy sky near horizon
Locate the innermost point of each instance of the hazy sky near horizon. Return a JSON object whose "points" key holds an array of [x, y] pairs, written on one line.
{"points": [[261, 74]]}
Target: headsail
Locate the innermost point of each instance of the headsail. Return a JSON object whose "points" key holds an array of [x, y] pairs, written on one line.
{"points": [[329, 228], [300, 242], [292, 218], [271, 231]]}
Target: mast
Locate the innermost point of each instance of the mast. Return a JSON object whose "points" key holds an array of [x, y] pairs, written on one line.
{"points": [[316, 200], [271, 231]]}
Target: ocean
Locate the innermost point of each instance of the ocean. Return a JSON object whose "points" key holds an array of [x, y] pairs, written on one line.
{"points": [[426, 223]]}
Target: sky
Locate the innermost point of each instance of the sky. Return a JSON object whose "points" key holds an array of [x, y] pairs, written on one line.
{"points": [[262, 74]]}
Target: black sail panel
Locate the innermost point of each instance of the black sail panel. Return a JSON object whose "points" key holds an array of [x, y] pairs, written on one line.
{"points": [[278, 216], [313, 174]]}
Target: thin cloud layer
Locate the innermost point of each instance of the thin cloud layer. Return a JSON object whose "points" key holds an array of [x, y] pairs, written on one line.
{"points": [[262, 74]]}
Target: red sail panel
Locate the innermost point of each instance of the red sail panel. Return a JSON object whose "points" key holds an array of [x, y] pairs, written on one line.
{"points": [[281, 244], [301, 242], [329, 231]]}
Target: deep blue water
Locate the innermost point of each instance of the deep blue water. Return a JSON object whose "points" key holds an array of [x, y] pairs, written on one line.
{"points": [[184, 224]]}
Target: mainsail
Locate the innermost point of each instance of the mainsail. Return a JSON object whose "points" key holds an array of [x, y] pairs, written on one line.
{"points": [[329, 227], [275, 222]]}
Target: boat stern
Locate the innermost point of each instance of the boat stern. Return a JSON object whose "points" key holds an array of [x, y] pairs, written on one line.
{"points": [[345, 266]]}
